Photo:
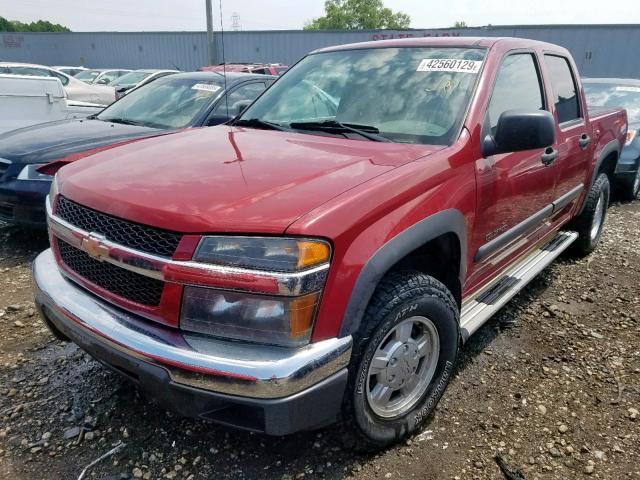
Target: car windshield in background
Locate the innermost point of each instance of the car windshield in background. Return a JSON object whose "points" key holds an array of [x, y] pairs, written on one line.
{"points": [[169, 102], [615, 95], [406, 95], [132, 78], [88, 75]]}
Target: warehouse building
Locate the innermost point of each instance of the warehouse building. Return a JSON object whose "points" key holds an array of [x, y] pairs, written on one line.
{"points": [[599, 50]]}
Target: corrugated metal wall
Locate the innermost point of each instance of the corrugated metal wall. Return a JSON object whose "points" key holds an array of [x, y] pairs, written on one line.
{"points": [[599, 50]]}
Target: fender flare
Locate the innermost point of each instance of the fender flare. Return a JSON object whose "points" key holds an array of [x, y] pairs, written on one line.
{"points": [[612, 147], [447, 221]]}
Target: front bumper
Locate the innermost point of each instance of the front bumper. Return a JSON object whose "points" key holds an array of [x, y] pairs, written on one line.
{"points": [[269, 389], [23, 201]]}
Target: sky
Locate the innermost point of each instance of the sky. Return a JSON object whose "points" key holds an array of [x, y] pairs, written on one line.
{"points": [[161, 15]]}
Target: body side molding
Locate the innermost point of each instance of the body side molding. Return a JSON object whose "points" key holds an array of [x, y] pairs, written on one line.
{"points": [[446, 221]]}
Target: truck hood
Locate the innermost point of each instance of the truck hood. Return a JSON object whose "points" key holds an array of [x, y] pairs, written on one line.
{"points": [[227, 179], [51, 141]]}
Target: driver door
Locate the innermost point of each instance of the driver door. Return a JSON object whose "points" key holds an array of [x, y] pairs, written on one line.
{"points": [[514, 190]]}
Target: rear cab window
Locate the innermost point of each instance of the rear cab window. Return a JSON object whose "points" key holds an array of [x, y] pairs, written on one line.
{"points": [[565, 89]]}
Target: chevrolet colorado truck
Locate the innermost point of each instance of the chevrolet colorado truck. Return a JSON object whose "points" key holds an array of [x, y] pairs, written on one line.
{"points": [[324, 256]]}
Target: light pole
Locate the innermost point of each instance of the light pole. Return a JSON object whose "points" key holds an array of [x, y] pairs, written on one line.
{"points": [[211, 46]]}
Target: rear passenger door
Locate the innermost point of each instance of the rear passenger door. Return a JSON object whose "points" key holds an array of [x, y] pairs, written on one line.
{"points": [[573, 142], [515, 190]]}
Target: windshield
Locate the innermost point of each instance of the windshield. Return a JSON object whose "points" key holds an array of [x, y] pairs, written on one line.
{"points": [[615, 95], [408, 95], [132, 78], [168, 102], [88, 75]]}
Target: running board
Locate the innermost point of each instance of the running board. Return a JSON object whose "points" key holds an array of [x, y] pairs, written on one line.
{"points": [[476, 311]]}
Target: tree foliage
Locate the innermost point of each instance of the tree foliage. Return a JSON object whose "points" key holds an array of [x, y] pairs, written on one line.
{"points": [[460, 24], [358, 14], [39, 26]]}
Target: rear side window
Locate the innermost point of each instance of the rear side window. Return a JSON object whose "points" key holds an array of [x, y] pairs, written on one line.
{"points": [[565, 92], [517, 87]]}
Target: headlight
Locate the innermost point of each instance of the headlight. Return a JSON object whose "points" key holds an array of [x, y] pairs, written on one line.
{"points": [[53, 192], [631, 134], [30, 172], [284, 321], [263, 253], [259, 317]]}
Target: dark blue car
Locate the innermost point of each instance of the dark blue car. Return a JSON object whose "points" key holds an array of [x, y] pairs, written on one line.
{"points": [[174, 102], [624, 93]]}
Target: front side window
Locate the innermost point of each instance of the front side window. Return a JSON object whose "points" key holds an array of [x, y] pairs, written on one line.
{"points": [[63, 78], [169, 102], [517, 87], [408, 94], [238, 98], [565, 92], [88, 76]]}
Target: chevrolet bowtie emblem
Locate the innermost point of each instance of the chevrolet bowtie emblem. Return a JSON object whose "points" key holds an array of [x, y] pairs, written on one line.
{"points": [[94, 247]]}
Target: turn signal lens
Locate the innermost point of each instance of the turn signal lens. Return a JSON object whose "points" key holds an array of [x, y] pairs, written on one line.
{"points": [[263, 253], [631, 134], [312, 253]]}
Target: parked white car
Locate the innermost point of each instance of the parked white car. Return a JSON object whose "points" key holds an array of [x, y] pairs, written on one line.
{"points": [[77, 90], [101, 76], [71, 71], [137, 78], [29, 100]]}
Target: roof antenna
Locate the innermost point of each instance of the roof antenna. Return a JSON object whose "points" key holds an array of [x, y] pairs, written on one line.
{"points": [[224, 62]]}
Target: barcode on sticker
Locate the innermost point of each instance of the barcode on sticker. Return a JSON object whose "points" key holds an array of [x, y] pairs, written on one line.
{"points": [[628, 88], [455, 65], [206, 87]]}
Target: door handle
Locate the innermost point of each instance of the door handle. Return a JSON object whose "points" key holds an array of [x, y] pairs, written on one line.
{"points": [[584, 141], [549, 156]]}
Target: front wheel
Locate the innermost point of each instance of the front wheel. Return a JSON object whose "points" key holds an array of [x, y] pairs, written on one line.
{"points": [[403, 358], [590, 223], [629, 188]]}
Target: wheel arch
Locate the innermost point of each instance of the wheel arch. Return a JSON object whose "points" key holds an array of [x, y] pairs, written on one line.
{"points": [[606, 162], [448, 224]]}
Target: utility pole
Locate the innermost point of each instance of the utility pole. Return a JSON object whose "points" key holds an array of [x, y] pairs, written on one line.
{"points": [[211, 45]]}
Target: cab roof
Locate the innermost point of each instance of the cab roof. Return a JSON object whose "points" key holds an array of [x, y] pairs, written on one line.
{"points": [[468, 42]]}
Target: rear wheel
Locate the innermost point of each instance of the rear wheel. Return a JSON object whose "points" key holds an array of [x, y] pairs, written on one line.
{"points": [[403, 357], [590, 223]]}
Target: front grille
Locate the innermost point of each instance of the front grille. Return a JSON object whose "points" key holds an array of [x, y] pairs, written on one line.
{"points": [[128, 234], [123, 283]]}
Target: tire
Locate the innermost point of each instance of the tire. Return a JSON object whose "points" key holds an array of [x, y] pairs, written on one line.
{"points": [[629, 189], [401, 299], [590, 223]]}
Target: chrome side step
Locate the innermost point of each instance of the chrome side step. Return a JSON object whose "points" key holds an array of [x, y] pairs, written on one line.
{"points": [[477, 310]]}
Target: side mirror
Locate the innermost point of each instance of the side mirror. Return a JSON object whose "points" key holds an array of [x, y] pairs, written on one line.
{"points": [[103, 81], [240, 107], [519, 130], [218, 120]]}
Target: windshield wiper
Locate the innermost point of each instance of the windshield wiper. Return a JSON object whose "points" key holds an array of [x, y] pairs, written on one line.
{"points": [[124, 121], [367, 131], [257, 123]]}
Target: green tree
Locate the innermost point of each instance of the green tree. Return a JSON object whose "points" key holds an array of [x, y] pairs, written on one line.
{"points": [[358, 14], [460, 24], [39, 26]]}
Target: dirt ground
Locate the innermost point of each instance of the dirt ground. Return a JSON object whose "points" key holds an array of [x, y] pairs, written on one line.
{"points": [[550, 386]]}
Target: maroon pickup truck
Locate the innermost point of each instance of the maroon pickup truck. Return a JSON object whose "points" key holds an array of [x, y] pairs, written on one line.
{"points": [[325, 255]]}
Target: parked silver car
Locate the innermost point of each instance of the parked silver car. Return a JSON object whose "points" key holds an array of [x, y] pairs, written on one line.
{"points": [[137, 78], [76, 90], [101, 76], [71, 71]]}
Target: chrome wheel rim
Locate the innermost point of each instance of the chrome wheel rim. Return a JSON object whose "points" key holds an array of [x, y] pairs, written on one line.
{"points": [[402, 367], [597, 217]]}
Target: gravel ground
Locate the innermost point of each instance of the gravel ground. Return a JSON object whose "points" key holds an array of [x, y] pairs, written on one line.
{"points": [[550, 389]]}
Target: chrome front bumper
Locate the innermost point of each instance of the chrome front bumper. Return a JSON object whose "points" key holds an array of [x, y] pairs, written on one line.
{"points": [[231, 368]]}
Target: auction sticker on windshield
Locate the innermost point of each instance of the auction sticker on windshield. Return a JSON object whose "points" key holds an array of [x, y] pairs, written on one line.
{"points": [[626, 88], [455, 65], [207, 87]]}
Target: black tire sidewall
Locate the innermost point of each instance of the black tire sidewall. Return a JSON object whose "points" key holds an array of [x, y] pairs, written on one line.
{"points": [[386, 431], [601, 185]]}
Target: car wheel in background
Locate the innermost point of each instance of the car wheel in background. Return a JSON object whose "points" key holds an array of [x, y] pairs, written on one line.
{"points": [[630, 188]]}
